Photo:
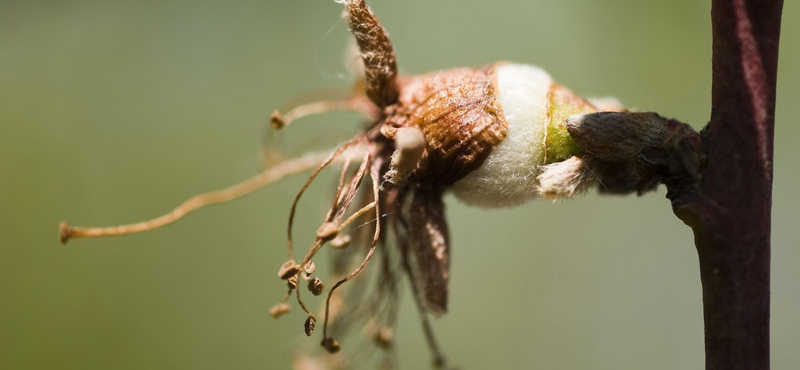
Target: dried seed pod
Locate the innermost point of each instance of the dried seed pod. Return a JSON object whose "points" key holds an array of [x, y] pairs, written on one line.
{"points": [[315, 286], [535, 109], [458, 112], [288, 269], [279, 310], [309, 325]]}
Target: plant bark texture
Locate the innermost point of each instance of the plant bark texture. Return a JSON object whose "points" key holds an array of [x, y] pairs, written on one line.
{"points": [[730, 212]]}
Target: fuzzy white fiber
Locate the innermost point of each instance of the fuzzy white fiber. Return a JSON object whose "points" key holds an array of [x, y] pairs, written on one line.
{"points": [[508, 175]]}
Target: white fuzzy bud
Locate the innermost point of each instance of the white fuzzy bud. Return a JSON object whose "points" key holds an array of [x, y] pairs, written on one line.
{"points": [[508, 175]]}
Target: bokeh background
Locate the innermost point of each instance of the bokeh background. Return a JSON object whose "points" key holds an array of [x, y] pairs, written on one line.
{"points": [[116, 111]]}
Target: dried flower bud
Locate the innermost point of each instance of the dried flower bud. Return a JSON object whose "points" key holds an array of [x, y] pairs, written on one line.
{"points": [[291, 282], [634, 152], [330, 345], [315, 286], [279, 310], [310, 268], [615, 136], [311, 322], [534, 108], [340, 241], [288, 269], [327, 231]]}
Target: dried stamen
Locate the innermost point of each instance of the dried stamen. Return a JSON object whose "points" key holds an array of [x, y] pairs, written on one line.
{"points": [[325, 163], [315, 286], [375, 176], [340, 208], [267, 176], [310, 324], [279, 121]]}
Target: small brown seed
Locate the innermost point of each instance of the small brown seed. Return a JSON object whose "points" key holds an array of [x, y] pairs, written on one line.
{"points": [[310, 268], [315, 286], [331, 345], [279, 310], [292, 282], [311, 322], [288, 269]]}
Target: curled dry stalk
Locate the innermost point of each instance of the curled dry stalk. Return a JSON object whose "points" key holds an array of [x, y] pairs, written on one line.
{"points": [[449, 130]]}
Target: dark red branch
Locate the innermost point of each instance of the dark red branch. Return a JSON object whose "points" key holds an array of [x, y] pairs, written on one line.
{"points": [[731, 220]]}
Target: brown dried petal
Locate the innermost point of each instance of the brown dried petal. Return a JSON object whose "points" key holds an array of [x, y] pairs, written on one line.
{"points": [[430, 249], [311, 322], [380, 66]]}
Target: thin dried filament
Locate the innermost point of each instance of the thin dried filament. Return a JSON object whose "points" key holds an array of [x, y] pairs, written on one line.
{"points": [[267, 176], [354, 103], [375, 176], [325, 163]]}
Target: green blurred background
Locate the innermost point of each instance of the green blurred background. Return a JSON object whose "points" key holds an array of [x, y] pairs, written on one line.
{"points": [[116, 111]]}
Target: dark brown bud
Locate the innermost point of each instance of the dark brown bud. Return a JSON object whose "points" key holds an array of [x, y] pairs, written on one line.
{"points": [[315, 286], [330, 345], [634, 152], [616, 136], [311, 322], [288, 269]]}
